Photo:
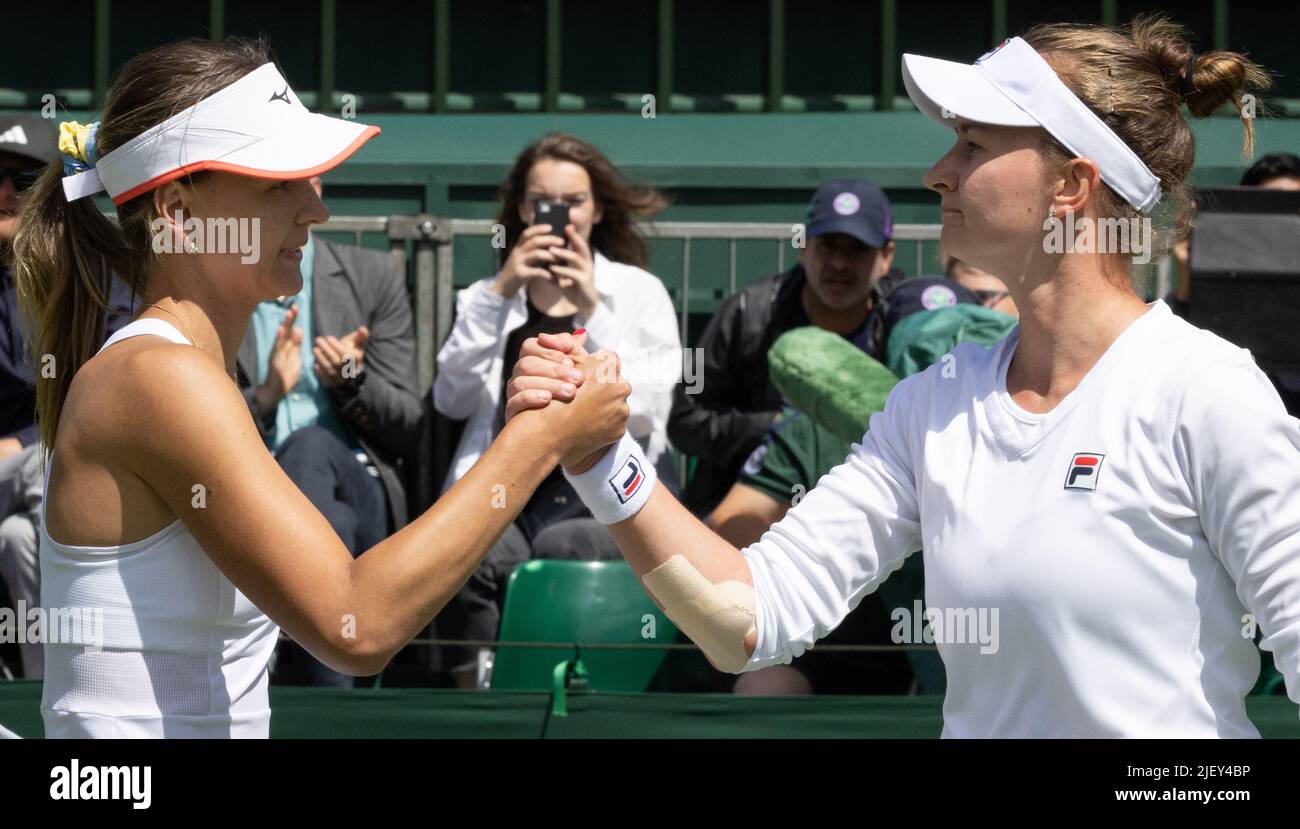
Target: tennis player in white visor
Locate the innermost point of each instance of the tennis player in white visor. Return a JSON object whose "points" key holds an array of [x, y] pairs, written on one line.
{"points": [[172, 542], [1108, 500]]}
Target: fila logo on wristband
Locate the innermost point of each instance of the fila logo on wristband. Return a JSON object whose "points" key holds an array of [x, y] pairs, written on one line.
{"points": [[618, 485], [627, 480], [1084, 469]]}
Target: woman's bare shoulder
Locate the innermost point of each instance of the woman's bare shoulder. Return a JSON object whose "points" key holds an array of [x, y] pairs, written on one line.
{"points": [[142, 389]]}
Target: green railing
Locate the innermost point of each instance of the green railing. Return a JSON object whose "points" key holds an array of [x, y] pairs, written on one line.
{"points": [[433, 272], [433, 264]]}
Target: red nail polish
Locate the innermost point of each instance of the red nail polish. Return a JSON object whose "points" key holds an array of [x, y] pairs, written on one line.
{"points": [[579, 331]]}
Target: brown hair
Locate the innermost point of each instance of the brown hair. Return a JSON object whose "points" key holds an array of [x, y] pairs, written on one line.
{"points": [[1135, 79], [64, 251], [617, 235]]}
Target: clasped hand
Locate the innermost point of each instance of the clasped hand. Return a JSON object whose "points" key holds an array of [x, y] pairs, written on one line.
{"points": [[588, 391]]}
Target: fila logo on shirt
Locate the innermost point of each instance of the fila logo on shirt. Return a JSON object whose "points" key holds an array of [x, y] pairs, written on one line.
{"points": [[627, 480], [1084, 469]]}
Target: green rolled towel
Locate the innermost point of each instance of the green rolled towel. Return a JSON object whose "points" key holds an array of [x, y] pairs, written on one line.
{"points": [[922, 338], [830, 379]]}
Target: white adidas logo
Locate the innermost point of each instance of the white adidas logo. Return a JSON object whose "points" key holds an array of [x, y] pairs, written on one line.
{"points": [[13, 135]]}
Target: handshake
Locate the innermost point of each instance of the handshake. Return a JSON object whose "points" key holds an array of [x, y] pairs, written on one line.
{"points": [[581, 397]]}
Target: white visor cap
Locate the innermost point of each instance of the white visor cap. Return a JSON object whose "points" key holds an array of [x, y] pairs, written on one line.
{"points": [[254, 127], [1013, 86]]}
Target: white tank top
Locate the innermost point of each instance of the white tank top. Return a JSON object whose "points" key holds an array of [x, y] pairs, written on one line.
{"points": [[182, 653]]}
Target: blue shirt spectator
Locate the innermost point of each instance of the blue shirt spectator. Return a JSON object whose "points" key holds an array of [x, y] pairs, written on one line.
{"points": [[308, 403]]}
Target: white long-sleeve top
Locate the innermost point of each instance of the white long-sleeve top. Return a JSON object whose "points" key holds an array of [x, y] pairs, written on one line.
{"points": [[634, 317], [1124, 604]]}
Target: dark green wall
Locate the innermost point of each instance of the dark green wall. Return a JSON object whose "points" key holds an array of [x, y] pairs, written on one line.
{"points": [[717, 54]]}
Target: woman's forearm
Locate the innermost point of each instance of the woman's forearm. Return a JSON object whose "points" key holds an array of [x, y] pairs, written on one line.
{"points": [[400, 584], [664, 529], [701, 581]]}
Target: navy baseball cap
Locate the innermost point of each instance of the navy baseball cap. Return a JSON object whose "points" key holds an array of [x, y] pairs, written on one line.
{"points": [[913, 296], [853, 206]]}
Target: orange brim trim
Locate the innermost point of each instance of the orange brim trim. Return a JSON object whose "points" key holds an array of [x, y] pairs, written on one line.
{"points": [[227, 167]]}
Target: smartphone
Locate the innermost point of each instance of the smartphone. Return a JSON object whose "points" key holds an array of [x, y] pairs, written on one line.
{"points": [[555, 214]]}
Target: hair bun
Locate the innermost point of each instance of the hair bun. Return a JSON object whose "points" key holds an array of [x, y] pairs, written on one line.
{"points": [[1222, 77], [1205, 82]]}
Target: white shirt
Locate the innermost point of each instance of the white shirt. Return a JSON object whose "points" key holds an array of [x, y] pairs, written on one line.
{"points": [[635, 318], [1120, 602], [176, 649]]}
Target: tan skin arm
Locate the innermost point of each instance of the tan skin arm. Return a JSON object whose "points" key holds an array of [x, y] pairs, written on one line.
{"points": [[745, 514], [663, 528], [273, 544]]}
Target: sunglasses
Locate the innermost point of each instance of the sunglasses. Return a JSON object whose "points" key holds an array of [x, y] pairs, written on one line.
{"points": [[22, 179]]}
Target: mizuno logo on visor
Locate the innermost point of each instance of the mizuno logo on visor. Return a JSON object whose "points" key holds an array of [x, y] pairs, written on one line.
{"points": [[990, 52]]}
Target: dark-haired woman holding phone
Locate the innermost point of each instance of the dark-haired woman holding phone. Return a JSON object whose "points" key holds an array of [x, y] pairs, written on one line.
{"points": [[591, 274]]}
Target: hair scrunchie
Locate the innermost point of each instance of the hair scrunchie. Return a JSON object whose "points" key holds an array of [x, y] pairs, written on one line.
{"points": [[1185, 85], [77, 146]]}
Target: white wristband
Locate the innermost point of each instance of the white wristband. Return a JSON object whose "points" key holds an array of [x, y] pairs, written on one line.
{"points": [[618, 486]]}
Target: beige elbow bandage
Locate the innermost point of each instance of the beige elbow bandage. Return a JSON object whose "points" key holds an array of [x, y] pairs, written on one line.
{"points": [[717, 617]]}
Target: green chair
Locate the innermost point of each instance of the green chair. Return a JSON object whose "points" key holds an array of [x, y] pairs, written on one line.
{"points": [[596, 602]]}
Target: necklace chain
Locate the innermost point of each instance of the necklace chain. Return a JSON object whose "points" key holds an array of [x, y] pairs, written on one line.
{"points": [[189, 333], [178, 319]]}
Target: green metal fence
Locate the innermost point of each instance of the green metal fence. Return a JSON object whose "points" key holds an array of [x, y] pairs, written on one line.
{"points": [[430, 249], [426, 248], [433, 271]]}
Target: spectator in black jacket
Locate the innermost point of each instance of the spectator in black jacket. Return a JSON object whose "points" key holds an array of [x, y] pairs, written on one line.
{"points": [[27, 144], [843, 267]]}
